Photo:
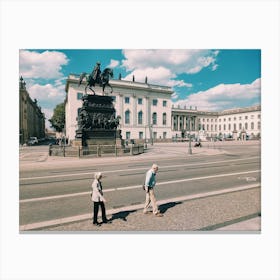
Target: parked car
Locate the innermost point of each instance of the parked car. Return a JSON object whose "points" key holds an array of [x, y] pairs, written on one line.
{"points": [[32, 141]]}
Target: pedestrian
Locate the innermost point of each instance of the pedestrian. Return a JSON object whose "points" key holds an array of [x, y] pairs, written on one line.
{"points": [[98, 199], [149, 185]]}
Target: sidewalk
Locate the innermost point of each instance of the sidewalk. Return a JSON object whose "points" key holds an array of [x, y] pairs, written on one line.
{"points": [[237, 211]]}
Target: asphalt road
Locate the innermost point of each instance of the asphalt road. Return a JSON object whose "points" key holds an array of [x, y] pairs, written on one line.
{"points": [[53, 188]]}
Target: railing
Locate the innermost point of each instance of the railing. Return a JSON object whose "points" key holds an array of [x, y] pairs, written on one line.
{"points": [[95, 150]]}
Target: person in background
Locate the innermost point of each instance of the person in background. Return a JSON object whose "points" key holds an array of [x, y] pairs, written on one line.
{"points": [[149, 185], [98, 199]]}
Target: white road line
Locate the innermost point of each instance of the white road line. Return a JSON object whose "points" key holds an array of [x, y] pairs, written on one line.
{"points": [[131, 169], [137, 186], [132, 207]]}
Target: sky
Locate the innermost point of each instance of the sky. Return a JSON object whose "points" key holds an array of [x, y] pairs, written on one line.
{"points": [[211, 80]]}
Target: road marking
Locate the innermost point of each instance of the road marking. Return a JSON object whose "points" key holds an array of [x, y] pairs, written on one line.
{"points": [[131, 169], [136, 186], [132, 207]]}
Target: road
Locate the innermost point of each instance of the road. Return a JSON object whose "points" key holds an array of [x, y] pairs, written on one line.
{"points": [[55, 188]]}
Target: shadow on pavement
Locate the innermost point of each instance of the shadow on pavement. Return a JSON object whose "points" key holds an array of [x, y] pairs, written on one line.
{"points": [[122, 215], [164, 207]]}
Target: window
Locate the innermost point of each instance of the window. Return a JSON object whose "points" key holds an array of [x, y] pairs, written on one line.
{"points": [[140, 117], [126, 100], [224, 127], [246, 117], [154, 135], [127, 135], [79, 95], [234, 127], [252, 125], [252, 116], [154, 118], [229, 127], [127, 117], [164, 118], [141, 134], [246, 125], [164, 103], [259, 125], [229, 119], [164, 135], [240, 126], [114, 98], [240, 118], [155, 102], [140, 101], [259, 116]]}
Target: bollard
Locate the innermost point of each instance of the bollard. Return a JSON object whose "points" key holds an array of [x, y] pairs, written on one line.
{"points": [[116, 151], [50, 149], [79, 152]]}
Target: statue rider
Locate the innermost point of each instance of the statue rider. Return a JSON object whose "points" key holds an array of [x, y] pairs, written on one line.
{"points": [[96, 73]]}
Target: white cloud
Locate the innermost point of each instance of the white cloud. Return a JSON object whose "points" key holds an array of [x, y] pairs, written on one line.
{"points": [[45, 65], [113, 63], [224, 96], [164, 66], [178, 61], [47, 93]]}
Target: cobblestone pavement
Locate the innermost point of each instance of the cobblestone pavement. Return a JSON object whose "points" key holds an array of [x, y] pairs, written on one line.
{"points": [[230, 212]]}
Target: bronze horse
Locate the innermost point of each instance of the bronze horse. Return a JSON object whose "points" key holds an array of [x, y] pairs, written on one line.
{"points": [[102, 80]]}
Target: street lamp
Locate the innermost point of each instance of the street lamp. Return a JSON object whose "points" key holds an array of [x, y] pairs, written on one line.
{"points": [[190, 144], [152, 138]]}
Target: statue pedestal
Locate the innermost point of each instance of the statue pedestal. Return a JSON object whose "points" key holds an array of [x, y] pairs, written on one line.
{"points": [[97, 122]]}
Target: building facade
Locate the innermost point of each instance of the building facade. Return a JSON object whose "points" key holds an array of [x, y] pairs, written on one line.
{"points": [[144, 109], [31, 118], [147, 114], [238, 123]]}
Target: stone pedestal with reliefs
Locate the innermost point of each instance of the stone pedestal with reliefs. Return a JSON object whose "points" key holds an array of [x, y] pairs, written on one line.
{"points": [[97, 122]]}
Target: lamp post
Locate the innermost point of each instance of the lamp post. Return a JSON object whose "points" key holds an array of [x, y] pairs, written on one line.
{"points": [[152, 137], [145, 145], [190, 144]]}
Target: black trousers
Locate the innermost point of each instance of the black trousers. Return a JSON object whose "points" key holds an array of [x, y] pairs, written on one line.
{"points": [[95, 211]]}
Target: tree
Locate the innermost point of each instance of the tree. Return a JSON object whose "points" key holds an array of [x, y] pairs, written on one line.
{"points": [[58, 119]]}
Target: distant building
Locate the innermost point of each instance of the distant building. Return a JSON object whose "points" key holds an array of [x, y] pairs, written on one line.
{"points": [[147, 113], [238, 123], [31, 118]]}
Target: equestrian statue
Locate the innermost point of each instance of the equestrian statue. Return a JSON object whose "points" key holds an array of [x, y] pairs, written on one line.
{"points": [[97, 77]]}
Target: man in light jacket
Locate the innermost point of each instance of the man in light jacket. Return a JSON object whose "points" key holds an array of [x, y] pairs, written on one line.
{"points": [[150, 183]]}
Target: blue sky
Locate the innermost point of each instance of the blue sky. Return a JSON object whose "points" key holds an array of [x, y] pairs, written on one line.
{"points": [[211, 80]]}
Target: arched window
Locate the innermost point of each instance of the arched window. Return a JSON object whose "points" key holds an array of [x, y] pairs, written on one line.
{"points": [[127, 117], [246, 125], [154, 118], [140, 117], [240, 126], [164, 118]]}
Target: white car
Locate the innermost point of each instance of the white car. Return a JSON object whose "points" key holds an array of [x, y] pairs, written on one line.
{"points": [[32, 141]]}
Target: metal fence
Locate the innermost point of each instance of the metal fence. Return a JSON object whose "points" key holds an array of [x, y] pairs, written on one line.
{"points": [[95, 150]]}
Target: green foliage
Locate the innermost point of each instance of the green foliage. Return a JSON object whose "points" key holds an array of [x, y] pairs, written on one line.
{"points": [[58, 119]]}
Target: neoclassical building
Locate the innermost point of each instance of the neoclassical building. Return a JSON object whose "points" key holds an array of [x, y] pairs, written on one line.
{"points": [[31, 118], [147, 113], [238, 123], [145, 109]]}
